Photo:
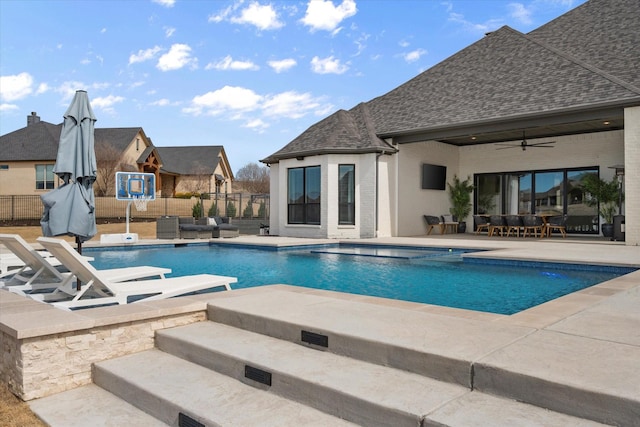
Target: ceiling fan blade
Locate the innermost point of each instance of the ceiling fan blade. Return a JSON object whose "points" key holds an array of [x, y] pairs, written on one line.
{"points": [[505, 146], [541, 144]]}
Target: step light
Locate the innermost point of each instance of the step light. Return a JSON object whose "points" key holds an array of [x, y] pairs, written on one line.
{"points": [[257, 375], [186, 421], [315, 339]]}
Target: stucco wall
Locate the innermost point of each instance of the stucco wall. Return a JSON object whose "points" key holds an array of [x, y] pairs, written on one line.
{"points": [[413, 201]]}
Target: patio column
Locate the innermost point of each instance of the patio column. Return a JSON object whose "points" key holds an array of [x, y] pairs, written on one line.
{"points": [[632, 175]]}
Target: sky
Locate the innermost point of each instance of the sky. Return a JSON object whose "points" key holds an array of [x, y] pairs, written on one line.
{"points": [[248, 75]]}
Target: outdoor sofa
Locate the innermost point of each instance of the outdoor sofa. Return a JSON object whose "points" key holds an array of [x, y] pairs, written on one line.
{"points": [[173, 227]]}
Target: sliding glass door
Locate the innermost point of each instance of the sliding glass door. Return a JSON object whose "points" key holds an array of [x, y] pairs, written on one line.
{"points": [[551, 192]]}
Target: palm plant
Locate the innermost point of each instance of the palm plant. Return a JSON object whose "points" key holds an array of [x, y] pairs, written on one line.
{"points": [[460, 197]]}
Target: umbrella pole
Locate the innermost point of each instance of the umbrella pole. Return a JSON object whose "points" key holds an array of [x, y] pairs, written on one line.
{"points": [[79, 249]]}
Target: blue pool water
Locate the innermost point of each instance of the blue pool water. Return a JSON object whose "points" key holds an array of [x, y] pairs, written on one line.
{"points": [[430, 276]]}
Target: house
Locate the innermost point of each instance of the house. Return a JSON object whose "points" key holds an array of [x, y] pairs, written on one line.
{"points": [[523, 115], [199, 169], [27, 157]]}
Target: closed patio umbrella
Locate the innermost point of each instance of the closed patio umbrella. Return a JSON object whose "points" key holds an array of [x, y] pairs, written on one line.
{"points": [[70, 208]]}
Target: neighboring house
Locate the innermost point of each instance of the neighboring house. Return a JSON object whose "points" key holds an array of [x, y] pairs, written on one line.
{"points": [[572, 84], [27, 157], [201, 169]]}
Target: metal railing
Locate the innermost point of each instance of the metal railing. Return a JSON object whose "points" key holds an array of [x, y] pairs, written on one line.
{"points": [[234, 205]]}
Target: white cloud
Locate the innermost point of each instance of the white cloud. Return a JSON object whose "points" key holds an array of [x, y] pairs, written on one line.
{"points": [[165, 3], [485, 27], [323, 15], [144, 55], [328, 65], [256, 124], [68, 89], [8, 107], [229, 98], [161, 102], [42, 88], [228, 63], [519, 12], [264, 17], [15, 87], [169, 31], [290, 104], [178, 57], [107, 102], [414, 55], [282, 65]]}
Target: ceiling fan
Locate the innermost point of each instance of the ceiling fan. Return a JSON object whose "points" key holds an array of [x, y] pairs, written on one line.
{"points": [[523, 144]]}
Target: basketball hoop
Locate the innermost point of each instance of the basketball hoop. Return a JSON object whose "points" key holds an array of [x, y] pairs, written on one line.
{"points": [[141, 202]]}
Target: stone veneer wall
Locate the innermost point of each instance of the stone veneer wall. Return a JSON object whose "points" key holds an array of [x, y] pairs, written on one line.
{"points": [[48, 364]]}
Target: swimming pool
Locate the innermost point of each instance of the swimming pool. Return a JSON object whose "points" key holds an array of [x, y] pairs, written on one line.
{"points": [[424, 275]]}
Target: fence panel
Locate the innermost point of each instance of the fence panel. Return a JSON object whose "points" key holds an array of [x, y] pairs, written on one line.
{"points": [[234, 205]]}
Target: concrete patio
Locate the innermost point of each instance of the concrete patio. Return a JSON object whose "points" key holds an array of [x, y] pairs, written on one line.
{"points": [[570, 361]]}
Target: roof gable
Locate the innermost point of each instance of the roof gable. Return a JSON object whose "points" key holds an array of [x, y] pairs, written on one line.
{"points": [[191, 160], [342, 132]]}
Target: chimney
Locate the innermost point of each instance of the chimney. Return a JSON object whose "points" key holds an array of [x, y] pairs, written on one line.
{"points": [[33, 119]]}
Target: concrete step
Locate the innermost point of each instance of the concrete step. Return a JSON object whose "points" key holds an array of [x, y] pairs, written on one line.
{"points": [[361, 392], [172, 389], [577, 376], [90, 405], [424, 343]]}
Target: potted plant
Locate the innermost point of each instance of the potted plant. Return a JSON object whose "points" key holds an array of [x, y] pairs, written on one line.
{"points": [[460, 196], [606, 196]]}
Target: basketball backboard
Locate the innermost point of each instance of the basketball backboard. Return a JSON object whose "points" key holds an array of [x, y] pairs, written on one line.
{"points": [[135, 185]]}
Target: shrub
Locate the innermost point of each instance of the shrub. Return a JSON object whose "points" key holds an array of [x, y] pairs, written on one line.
{"points": [[248, 211], [213, 210], [231, 210], [196, 210]]}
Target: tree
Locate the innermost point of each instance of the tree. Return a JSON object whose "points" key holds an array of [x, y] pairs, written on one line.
{"points": [[253, 178], [109, 161]]}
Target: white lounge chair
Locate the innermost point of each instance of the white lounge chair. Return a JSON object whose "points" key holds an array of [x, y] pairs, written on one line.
{"points": [[40, 272], [98, 289]]}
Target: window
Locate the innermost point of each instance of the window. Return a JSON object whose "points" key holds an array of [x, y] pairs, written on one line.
{"points": [[4, 167], [304, 195], [44, 177], [346, 194]]}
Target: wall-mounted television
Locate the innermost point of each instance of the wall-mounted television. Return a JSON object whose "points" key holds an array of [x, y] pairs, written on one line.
{"points": [[434, 177]]}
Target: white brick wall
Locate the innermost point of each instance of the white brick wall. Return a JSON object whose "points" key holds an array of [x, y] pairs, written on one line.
{"points": [[632, 175]]}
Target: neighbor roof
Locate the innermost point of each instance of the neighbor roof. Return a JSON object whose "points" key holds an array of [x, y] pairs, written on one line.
{"points": [[191, 160], [586, 60], [39, 141]]}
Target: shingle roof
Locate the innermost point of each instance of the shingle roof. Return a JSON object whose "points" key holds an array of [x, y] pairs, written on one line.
{"points": [[604, 33], [506, 74], [584, 59], [38, 141], [342, 132], [191, 160]]}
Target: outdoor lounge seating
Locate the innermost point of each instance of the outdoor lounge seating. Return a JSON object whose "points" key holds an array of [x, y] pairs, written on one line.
{"points": [[99, 290], [173, 227], [482, 223], [39, 273], [432, 222]]}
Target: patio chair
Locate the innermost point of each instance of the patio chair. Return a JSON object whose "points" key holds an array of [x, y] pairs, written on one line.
{"points": [[99, 290], [557, 222], [482, 223], [433, 221], [497, 223], [514, 223], [533, 223], [39, 273]]}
